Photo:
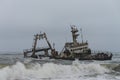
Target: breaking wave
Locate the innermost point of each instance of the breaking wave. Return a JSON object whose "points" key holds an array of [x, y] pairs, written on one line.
{"points": [[52, 71]]}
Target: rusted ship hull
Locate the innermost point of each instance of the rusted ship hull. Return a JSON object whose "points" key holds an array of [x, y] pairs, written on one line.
{"points": [[86, 58], [99, 56]]}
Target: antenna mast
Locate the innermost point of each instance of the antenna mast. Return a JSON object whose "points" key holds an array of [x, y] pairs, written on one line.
{"points": [[81, 34]]}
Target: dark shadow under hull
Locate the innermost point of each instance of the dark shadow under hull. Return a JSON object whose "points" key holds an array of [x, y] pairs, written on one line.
{"points": [[91, 57], [109, 58]]}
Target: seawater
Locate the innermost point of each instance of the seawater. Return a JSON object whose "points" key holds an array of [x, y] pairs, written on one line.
{"points": [[15, 67]]}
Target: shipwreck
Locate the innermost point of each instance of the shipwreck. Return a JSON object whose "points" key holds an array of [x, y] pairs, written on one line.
{"points": [[71, 51]]}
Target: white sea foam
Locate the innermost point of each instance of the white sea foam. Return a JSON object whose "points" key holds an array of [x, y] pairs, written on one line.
{"points": [[51, 71]]}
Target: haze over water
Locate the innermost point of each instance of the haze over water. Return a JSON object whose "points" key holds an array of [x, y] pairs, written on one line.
{"points": [[21, 19]]}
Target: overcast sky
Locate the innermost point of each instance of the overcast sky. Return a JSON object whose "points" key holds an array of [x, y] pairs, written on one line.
{"points": [[21, 19]]}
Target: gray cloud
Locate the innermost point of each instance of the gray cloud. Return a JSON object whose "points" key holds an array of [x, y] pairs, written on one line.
{"points": [[21, 19]]}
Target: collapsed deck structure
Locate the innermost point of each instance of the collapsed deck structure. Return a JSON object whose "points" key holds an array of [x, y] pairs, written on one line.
{"points": [[35, 49], [71, 51]]}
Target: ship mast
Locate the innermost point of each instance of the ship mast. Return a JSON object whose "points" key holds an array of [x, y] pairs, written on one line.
{"points": [[40, 36], [37, 36], [74, 34], [47, 41]]}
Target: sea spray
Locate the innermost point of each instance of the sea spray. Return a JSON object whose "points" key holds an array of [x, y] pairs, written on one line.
{"points": [[4, 75], [36, 71], [88, 69], [12, 72]]}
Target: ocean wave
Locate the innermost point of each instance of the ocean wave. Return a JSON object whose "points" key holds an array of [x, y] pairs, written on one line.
{"points": [[52, 71]]}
